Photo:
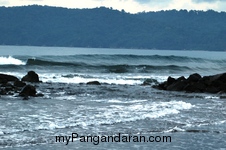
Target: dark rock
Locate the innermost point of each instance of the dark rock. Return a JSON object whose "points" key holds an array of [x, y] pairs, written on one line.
{"points": [[31, 77], [177, 86], [211, 89], [170, 80], [222, 78], [8, 87], [93, 83], [19, 84], [4, 78], [28, 90], [205, 80], [182, 78], [3, 92], [149, 82], [216, 83], [161, 86], [3, 81], [195, 83], [195, 87], [194, 77]]}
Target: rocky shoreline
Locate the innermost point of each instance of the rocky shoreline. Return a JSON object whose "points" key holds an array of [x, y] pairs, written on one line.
{"points": [[11, 85], [195, 83], [26, 87]]}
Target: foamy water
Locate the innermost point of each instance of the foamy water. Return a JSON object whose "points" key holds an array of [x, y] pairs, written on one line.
{"points": [[10, 61]]}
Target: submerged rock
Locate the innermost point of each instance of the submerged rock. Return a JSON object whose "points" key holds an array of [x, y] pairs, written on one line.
{"points": [[195, 83], [149, 82], [93, 83], [31, 77]]}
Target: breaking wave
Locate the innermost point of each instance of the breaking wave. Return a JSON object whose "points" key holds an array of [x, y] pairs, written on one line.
{"points": [[10, 61]]}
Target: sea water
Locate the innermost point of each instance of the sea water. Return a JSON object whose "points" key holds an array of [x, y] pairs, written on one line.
{"points": [[120, 108]]}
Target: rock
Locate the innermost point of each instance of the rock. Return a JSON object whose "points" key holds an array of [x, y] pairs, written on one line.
{"points": [[161, 86], [177, 86], [194, 77], [31, 77], [93, 83], [205, 80], [149, 82], [182, 78], [9, 87], [28, 90], [3, 92], [219, 77], [211, 89], [170, 80], [4, 78], [195, 87], [195, 83], [19, 84]]}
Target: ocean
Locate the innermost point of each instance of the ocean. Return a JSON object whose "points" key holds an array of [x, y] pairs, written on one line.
{"points": [[121, 113]]}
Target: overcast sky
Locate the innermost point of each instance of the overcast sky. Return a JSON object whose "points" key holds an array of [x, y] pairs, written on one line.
{"points": [[131, 6]]}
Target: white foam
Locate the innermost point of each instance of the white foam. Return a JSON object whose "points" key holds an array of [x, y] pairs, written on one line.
{"points": [[135, 111], [212, 97], [124, 79], [1, 132], [175, 129], [220, 122], [77, 80], [122, 102], [85, 116], [10, 61]]}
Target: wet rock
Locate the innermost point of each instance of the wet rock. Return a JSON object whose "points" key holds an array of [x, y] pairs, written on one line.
{"points": [[3, 91], [4, 78], [195, 87], [212, 89], [28, 90], [177, 86], [11, 85], [170, 80], [182, 78], [93, 83], [19, 84], [194, 77], [149, 82], [31, 77], [195, 83]]}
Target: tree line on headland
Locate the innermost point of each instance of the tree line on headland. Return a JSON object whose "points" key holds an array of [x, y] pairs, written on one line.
{"points": [[108, 28]]}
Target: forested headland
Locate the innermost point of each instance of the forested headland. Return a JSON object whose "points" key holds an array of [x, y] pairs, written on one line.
{"points": [[108, 28]]}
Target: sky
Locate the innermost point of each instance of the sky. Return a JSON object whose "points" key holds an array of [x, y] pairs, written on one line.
{"points": [[131, 6]]}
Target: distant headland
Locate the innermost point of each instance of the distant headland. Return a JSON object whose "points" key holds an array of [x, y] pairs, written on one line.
{"points": [[108, 28]]}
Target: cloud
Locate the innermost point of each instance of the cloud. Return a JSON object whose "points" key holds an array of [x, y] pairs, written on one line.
{"points": [[4, 2], [31, 0], [132, 6], [154, 2], [143, 1], [208, 1]]}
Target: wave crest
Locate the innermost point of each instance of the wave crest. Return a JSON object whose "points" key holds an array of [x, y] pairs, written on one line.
{"points": [[10, 61]]}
